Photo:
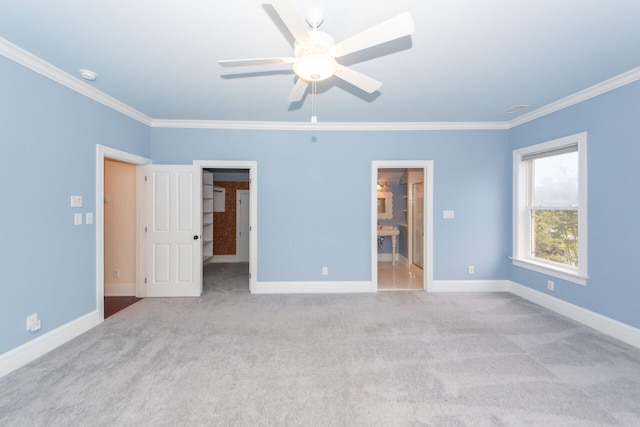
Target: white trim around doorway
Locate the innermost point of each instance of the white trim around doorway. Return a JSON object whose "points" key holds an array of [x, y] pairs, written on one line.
{"points": [[427, 167]]}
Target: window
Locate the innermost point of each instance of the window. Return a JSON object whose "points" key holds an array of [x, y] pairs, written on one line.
{"points": [[550, 230]]}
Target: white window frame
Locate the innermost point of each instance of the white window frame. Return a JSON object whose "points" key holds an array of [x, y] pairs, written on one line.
{"points": [[522, 218]]}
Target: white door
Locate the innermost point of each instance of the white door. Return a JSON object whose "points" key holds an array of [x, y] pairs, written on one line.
{"points": [[417, 256], [174, 251], [242, 225]]}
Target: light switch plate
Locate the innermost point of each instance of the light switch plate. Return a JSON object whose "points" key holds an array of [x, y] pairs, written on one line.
{"points": [[31, 320], [88, 218], [77, 218], [447, 214], [76, 201]]}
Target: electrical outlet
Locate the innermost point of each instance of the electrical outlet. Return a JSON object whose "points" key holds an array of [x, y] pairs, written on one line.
{"points": [[472, 269], [325, 271], [116, 274], [550, 285]]}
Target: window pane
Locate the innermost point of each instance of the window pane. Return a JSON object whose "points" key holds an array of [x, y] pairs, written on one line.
{"points": [[556, 180], [555, 235]]}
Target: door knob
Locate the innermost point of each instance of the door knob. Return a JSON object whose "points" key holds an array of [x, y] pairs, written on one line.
{"points": [[195, 237]]}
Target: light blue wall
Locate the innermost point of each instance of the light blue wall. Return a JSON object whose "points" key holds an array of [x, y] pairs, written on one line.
{"points": [[612, 121], [48, 137], [314, 195]]}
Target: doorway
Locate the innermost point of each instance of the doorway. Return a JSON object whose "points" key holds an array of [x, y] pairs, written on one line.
{"points": [[106, 154], [119, 235], [401, 231], [234, 237], [119, 228]]}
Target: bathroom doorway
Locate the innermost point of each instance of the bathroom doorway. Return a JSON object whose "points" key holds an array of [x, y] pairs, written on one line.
{"points": [[401, 224]]}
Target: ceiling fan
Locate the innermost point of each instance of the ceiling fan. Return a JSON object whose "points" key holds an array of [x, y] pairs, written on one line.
{"points": [[315, 52]]}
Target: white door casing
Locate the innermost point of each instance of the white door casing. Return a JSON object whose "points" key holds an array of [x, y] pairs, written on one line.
{"points": [[174, 250]]}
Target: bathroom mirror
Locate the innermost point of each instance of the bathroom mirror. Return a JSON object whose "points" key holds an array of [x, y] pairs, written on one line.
{"points": [[385, 205]]}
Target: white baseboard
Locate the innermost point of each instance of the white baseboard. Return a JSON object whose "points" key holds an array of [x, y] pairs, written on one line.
{"points": [[469, 286], [312, 287], [20, 356], [601, 323], [224, 259], [119, 289]]}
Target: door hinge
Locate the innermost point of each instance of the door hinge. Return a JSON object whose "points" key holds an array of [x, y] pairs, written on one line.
{"points": [[145, 280], [249, 275], [145, 178], [145, 229]]}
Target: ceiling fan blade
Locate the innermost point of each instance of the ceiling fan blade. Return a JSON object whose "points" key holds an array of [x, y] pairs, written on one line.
{"points": [[255, 61], [357, 79], [291, 18], [298, 91], [394, 28]]}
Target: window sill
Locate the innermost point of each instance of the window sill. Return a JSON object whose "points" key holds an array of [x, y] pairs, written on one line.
{"points": [[560, 273]]}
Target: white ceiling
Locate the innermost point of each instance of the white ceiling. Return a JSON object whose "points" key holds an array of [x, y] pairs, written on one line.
{"points": [[467, 61]]}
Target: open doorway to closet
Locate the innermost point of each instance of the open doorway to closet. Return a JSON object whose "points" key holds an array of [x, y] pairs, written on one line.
{"points": [[120, 244], [225, 219], [228, 219], [401, 225], [119, 202]]}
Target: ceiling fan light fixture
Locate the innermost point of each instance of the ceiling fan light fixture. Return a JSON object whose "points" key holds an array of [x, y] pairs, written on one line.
{"points": [[315, 67], [315, 52]]}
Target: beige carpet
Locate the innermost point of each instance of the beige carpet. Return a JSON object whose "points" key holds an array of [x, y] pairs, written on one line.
{"points": [[387, 359]]}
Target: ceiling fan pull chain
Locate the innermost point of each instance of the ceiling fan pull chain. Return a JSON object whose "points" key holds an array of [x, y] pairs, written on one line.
{"points": [[314, 111]]}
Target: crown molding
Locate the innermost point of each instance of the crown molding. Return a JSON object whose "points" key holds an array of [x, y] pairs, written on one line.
{"points": [[328, 126], [29, 60], [613, 83]]}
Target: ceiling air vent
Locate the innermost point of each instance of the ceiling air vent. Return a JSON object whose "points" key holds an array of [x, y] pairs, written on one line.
{"points": [[515, 109]]}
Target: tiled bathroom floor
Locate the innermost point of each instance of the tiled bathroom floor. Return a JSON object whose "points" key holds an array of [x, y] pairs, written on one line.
{"points": [[399, 277]]}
